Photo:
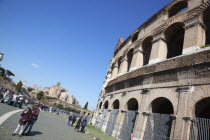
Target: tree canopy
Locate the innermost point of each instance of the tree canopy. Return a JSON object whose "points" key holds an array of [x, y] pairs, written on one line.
{"points": [[86, 106]]}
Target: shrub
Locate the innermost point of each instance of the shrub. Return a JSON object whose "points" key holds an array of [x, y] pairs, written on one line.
{"points": [[40, 95]]}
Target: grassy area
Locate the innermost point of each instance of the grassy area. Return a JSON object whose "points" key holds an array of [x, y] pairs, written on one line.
{"points": [[208, 45], [94, 132]]}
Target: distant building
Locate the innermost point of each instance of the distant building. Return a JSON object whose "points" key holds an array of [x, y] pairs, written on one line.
{"points": [[61, 94]]}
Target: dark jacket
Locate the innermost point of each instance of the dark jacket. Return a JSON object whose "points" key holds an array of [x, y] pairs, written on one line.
{"points": [[70, 117], [84, 122], [26, 117], [35, 113]]}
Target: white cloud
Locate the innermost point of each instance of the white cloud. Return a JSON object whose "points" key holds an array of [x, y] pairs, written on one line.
{"points": [[35, 65]]}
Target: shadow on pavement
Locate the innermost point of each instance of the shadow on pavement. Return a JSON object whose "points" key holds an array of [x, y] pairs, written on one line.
{"points": [[33, 133]]}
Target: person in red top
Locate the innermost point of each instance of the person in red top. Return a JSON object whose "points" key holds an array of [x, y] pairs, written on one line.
{"points": [[25, 117], [35, 112]]}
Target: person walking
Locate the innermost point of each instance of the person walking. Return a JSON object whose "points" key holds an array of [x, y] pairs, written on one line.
{"points": [[74, 118], [26, 117], [83, 124], [30, 124], [70, 119], [77, 127]]}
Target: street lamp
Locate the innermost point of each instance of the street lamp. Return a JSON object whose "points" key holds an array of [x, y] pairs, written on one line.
{"points": [[1, 57]]}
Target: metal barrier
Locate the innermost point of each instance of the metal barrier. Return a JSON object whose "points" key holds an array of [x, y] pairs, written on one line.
{"points": [[200, 129], [111, 121]]}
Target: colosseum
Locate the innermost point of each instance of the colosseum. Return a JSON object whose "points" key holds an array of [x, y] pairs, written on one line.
{"points": [[158, 82]]}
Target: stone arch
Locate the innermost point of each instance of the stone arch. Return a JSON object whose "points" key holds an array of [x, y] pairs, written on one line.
{"points": [[177, 8], [202, 108], [206, 20], [147, 47], [132, 104], [174, 35], [119, 62], [129, 57], [116, 104], [162, 105], [106, 105], [135, 37], [100, 105]]}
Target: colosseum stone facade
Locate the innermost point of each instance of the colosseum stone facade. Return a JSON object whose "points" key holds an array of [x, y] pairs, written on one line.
{"points": [[158, 83]]}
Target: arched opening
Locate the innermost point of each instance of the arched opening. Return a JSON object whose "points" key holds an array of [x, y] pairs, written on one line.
{"points": [[147, 47], [132, 104], [119, 63], [175, 39], [130, 56], [206, 21], [135, 37], [160, 121], [100, 105], [106, 104], [162, 105], [177, 8], [129, 119], [202, 108], [116, 104], [112, 117]]}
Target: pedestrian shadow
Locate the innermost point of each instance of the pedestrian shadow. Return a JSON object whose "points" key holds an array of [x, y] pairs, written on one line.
{"points": [[33, 133]]}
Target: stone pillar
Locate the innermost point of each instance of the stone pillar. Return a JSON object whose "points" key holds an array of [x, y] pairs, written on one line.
{"points": [[123, 66], [159, 49], [188, 121], [180, 127], [106, 120], [195, 35], [114, 71], [138, 58], [120, 118]]}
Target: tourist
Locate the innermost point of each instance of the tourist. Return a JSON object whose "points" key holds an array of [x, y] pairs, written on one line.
{"points": [[78, 124], [17, 98], [26, 117], [1, 94], [35, 114], [83, 124], [74, 118], [9, 101], [70, 119]]}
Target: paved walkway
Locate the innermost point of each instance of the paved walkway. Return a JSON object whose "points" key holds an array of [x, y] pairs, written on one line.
{"points": [[48, 127]]}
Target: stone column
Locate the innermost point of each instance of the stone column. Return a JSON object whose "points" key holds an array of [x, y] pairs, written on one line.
{"points": [[180, 127], [114, 71], [123, 66], [137, 60], [159, 49], [195, 35]]}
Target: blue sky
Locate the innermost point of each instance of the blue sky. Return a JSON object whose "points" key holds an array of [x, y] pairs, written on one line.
{"points": [[70, 41]]}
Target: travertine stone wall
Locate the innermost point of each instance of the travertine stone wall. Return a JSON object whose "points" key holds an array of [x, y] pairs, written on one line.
{"points": [[182, 80]]}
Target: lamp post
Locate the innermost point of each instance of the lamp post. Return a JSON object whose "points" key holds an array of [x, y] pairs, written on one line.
{"points": [[1, 57]]}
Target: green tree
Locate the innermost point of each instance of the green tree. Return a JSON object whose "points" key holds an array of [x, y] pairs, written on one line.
{"points": [[6, 74], [60, 106], [74, 102], [86, 106], [30, 89], [18, 87], [40, 95]]}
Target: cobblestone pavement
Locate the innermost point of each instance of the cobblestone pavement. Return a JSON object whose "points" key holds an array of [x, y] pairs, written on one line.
{"points": [[48, 127]]}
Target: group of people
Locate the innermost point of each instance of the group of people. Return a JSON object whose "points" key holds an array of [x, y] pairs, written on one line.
{"points": [[10, 98], [28, 118], [81, 123]]}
